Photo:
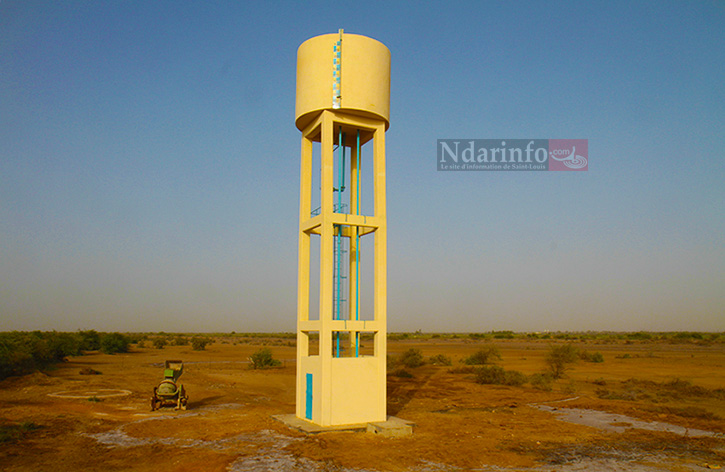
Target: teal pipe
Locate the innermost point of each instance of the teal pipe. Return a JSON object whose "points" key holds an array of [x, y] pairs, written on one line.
{"points": [[340, 187], [357, 249]]}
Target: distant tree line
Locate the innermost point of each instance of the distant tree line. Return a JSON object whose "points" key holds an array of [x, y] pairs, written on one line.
{"points": [[25, 352], [691, 337]]}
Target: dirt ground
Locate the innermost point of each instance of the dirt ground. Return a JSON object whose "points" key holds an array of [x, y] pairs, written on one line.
{"points": [[592, 419]]}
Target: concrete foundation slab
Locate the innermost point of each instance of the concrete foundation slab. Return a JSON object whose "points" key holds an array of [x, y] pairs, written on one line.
{"points": [[308, 427], [391, 428]]}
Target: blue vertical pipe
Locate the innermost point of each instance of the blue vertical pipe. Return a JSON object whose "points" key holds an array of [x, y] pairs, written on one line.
{"points": [[339, 232], [357, 249]]}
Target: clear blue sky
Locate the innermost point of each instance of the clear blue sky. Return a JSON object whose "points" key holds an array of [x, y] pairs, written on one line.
{"points": [[149, 164]]}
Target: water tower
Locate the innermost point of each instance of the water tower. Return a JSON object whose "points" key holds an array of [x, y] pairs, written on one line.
{"points": [[342, 109]]}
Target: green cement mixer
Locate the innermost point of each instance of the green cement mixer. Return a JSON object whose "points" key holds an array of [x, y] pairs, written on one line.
{"points": [[170, 392]]}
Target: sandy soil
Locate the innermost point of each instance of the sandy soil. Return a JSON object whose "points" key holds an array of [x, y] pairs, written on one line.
{"points": [[460, 425]]}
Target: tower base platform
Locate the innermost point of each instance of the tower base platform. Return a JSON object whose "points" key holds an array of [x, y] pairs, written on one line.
{"points": [[393, 427]]}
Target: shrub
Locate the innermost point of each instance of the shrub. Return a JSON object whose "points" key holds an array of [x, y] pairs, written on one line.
{"points": [[402, 373], [642, 336], [16, 357], [591, 356], [181, 341], [490, 375], [559, 358], [483, 356], [440, 359], [199, 344], [412, 358], [134, 338], [462, 369], [678, 388], [515, 378], [263, 359], [15, 432], [503, 334], [648, 390], [61, 345], [686, 335], [90, 340], [542, 381], [159, 343], [114, 342], [692, 412], [23, 352], [496, 375]]}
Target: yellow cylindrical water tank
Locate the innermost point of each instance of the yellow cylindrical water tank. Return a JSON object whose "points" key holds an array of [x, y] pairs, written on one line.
{"points": [[342, 71]]}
